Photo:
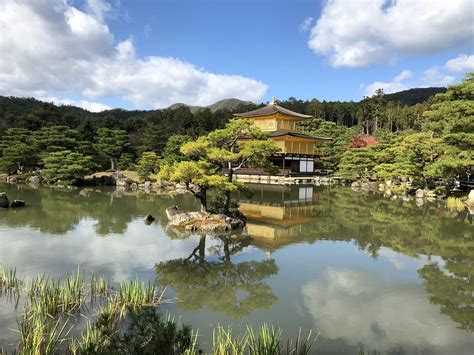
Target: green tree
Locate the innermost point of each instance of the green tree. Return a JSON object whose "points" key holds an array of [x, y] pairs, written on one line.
{"points": [[331, 151], [66, 166], [111, 143], [172, 150], [451, 119], [358, 163], [154, 138], [147, 165], [197, 176], [17, 152], [54, 138], [125, 162], [227, 150]]}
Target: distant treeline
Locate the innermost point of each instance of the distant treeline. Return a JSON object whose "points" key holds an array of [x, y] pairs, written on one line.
{"points": [[35, 134]]}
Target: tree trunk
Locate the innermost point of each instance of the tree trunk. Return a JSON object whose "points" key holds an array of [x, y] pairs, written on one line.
{"points": [[202, 197], [227, 193], [112, 164]]}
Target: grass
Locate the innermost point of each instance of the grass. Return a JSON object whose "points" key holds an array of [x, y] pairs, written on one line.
{"points": [[265, 340], [455, 204], [138, 294], [9, 279], [124, 317]]}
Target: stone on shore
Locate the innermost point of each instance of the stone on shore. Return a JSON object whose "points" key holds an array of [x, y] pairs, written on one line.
{"points": [[148, 219], [4, 202], [18, 203], [470, 198]]}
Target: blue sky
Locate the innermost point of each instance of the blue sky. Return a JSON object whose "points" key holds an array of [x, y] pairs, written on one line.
{"points": [[150, 54]]}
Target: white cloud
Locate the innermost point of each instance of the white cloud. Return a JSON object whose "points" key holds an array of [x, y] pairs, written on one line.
{"points": [[433, 77], [87, 105], [365, 32], [50, 47], [306, 24], [397, 84], [460, 64], [383, 314], [98, 8]]}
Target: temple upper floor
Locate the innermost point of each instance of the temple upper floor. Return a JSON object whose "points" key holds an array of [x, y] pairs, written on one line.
{"points": [[275, 118]]}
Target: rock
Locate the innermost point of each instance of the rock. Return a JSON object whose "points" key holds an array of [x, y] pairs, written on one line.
{"points": [[419, 193], [470, 198], [214, 227], [148, 219], [4, 202], [172, 211], [18, 203], [206, 222], [34, 180], [190, 227], [121, 180], [134, 186], [419, 202]]}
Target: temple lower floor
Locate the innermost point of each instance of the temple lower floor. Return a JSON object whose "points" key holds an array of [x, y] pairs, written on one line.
{"points": [[294, 164]]}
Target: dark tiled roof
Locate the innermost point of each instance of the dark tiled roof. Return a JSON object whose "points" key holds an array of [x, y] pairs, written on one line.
{"points": [[295, 134], [270, 110]]}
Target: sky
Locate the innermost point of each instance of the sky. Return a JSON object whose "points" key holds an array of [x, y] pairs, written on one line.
{"points": [[145, 54]]}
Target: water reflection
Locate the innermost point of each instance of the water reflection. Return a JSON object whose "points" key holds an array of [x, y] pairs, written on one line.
{"points": [[379, 312], [357, 268], [212, 280]]}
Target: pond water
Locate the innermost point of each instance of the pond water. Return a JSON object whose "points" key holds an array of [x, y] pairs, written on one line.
{"points": [[358, 269]]}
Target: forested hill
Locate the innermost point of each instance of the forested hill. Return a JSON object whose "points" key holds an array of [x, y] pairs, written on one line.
{"points": [[227, 104], [414, 96]]}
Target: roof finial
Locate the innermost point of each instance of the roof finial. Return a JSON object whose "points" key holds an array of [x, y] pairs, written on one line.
{"points": [[274, 101]]}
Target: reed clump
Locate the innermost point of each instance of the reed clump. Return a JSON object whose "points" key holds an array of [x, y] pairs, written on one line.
{"points": [[455, 204], [124, 320], [8, 279], [265, 340]]}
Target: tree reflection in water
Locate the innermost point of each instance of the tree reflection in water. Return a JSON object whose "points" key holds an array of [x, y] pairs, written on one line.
{"points": [[236, 289]]}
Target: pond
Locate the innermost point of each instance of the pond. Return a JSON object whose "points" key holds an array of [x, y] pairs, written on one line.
{"points": [[356, 268]]}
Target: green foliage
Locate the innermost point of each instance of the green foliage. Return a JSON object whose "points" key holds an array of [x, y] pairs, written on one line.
{"points": [[217, 156], [154, 138], [172, 150], [125, 161], [55, 138], [111, 143], [17, 152], [66, 166], [358, 163], [147, 165], [331, 151]]}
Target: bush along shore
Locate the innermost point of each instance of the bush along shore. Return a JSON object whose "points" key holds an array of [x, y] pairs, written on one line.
{"points": [[119, 319]]}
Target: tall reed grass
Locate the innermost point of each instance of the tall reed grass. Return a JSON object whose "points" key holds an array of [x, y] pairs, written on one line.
{"points": [[455, 204], [51, 307], [9, 279]]}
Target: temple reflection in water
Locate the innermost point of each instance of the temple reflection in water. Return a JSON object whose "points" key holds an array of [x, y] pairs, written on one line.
{"points": [[276, 214]]}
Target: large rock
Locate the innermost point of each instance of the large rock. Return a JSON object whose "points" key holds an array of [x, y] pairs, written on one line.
{"points": [[4, 202], [425, 193], [34, 180], [121, 180], [18, 203], [202, 221], [470, 198], [420, 193]]}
